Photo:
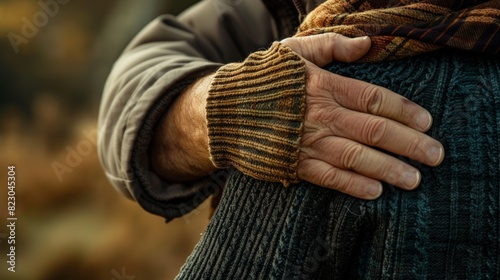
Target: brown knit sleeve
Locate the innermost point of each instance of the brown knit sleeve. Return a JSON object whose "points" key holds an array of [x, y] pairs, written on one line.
{"points": [[255, 113]]}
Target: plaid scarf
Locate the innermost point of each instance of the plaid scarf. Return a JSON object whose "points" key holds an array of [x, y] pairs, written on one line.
{"points": [[400, 28]]}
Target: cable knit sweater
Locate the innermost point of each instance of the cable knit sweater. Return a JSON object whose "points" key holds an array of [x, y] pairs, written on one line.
{"points": [[447, 229]]}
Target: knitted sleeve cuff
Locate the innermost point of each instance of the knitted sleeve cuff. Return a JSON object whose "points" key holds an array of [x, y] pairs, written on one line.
{"points": [[255, 114]]}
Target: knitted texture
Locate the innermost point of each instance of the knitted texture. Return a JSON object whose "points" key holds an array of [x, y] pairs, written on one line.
{"points": [[449, 228], [400, 29], [255, 114], [285, 16]]}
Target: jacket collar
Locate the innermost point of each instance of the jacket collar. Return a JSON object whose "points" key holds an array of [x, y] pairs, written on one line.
{"points": [[289, 13], [304, 7]]}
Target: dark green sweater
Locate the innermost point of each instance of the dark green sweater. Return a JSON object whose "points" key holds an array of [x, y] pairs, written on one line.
{"points": [[448, 228]]}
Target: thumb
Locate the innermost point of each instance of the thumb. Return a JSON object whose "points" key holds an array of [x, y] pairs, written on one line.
{"points": [[323, 49]]}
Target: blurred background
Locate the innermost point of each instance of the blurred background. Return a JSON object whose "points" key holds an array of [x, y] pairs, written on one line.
{"points": [[71, 223]]}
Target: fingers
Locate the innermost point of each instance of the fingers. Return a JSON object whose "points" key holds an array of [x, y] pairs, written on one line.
{"points": [[325, 48], [346, 119], [323, 174], [373, 126], [388, 135], [365, 166], [368, 98]]}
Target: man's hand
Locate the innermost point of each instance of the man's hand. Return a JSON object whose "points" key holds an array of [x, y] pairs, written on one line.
{"points": [[346, 119]]}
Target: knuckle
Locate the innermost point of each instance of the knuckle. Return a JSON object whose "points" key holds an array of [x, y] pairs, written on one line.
{"points": [[338, 180], [375, 130], [371, 97], [332, 35], [293, 43], [330, 178], [389, 172], [318, 114], [346, 186], [351, 156], [315, 81], [413, 147], [336, 85]]}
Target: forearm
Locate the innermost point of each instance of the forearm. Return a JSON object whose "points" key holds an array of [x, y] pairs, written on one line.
{"points": [[145, 83], [179, 151]]}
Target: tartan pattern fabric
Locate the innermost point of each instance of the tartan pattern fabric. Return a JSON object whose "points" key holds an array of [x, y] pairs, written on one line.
{"points": [[400, 28]]}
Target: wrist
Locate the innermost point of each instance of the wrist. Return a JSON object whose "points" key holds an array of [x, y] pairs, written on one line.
{"points": [[255, 113]]}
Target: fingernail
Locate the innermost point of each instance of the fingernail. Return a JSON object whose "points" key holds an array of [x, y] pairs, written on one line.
{"points": [[435, 155], [374, 190], [411, 179], [424, 121]]}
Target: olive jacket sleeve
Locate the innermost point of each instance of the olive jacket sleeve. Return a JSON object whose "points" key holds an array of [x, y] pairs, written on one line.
{"points": [[163, 59]]}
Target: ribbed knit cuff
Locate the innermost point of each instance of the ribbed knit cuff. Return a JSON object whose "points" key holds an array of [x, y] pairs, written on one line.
{"points": [[255, 113]]}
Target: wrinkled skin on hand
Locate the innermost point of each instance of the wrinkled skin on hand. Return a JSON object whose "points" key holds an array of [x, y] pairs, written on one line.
{"points": [[346, 119]]}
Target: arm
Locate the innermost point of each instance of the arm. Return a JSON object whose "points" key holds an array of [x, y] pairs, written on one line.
{"points": [[168, 57], [180, 147], [165, 58], [344, 119]]}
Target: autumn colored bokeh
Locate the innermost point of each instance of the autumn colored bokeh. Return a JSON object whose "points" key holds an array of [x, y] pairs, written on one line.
{"points": [[71, 223]]}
